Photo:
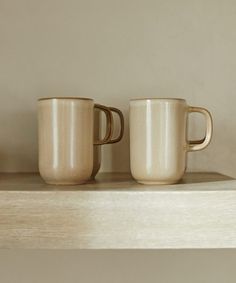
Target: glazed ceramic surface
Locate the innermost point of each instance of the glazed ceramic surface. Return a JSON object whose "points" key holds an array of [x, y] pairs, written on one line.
{"points": [[97, 155], [158, 139], [66, 139]]}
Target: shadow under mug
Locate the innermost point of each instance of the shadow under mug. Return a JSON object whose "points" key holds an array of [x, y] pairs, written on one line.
{"points": [[66, 138], [158, 139], [97, 133]]}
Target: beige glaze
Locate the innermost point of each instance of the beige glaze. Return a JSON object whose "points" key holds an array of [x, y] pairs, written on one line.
{"points": [[66, 139], [97, 155], [158, 139]]}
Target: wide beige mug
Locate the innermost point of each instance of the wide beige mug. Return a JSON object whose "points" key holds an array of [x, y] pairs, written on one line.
{"points": [[66, 138], [159, 139]]}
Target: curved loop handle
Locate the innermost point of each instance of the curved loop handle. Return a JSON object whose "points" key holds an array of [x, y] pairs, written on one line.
{"points": [[203, 143], [109, 124], [121, 117]]}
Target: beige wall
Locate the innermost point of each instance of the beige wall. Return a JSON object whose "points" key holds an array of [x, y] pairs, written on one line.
{"points": [[118, 267], [112, 51]]}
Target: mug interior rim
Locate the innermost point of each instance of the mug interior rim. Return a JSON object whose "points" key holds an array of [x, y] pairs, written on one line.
{"points": [[68, 97], [158, 98]]}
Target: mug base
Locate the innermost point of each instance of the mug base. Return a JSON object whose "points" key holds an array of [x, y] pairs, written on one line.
{"points": [[65, 183], [159, 183]]}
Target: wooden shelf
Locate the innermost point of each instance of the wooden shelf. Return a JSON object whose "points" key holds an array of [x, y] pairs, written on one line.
{"points": [[116, 212]]}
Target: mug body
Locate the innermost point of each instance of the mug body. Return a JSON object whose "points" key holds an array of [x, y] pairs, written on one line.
{"points": [[158, 140], [65, 140]]}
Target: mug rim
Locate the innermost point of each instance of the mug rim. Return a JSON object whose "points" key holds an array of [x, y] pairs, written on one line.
{"points": [[66, 97], [157, 98]]}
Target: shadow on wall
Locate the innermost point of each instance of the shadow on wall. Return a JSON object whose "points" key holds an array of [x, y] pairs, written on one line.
{"points": [[120, 151], [18, 144], [221, 154]]}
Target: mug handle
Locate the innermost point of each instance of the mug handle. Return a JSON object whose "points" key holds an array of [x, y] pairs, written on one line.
{"points": [[203, 143], [109, 124], [121, 133]]}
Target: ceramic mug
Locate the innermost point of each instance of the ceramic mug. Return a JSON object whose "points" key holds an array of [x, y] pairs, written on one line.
{"points": [[97, 134], [158, 139], [66, 138]]}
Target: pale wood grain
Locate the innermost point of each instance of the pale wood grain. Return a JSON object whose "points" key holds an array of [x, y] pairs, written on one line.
{"points": [[116, 212]]}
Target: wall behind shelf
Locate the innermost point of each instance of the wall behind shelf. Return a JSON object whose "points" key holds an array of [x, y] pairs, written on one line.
{"points": [[112, 51], [127, 266]]}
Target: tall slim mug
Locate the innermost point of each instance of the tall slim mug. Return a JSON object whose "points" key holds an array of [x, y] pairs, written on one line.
{"points": [[158, 139], [66, 138]]}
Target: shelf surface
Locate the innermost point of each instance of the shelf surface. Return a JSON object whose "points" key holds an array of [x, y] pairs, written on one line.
{"points": [[114, 212]]}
